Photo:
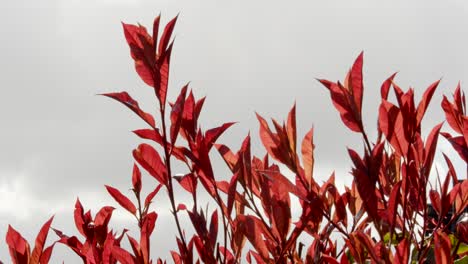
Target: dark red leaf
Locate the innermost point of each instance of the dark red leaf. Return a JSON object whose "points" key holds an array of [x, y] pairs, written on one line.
{"points": [[136, 179]]}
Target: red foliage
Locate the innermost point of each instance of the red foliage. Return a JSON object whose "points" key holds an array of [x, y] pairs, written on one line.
{"points": [[383, 217]]}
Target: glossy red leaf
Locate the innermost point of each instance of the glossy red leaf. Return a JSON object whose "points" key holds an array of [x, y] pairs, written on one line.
{"points": [[129, 102], [121, 199], [40, 242], [150, 160]]}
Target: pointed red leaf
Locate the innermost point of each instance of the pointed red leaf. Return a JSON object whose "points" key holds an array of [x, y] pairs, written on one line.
{"points": [[308, 156], [442, 248], [213, 134], [426, 99], [136, 179], [129, 102], [18, 246], [385, 88], [121, 199], [150, 160], [40, 242], [166, 36], [151, 134], [176, 114], [356, 81], [151, 195], [291, 129]]}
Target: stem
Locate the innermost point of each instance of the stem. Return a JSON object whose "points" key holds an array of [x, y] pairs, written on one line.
{"points": [[170, 187]]}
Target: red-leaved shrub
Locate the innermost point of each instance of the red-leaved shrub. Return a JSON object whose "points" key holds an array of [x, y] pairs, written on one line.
{"points": [[390, 213]]}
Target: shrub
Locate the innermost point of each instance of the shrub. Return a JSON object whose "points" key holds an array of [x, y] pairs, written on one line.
{"points": [[383, 217]]}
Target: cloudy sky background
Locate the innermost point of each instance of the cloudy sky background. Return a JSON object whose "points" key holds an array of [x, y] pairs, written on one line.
{"points": [[59, 141]]}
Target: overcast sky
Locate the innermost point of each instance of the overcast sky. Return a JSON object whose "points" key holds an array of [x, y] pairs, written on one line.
{"points": [[59, 141]]}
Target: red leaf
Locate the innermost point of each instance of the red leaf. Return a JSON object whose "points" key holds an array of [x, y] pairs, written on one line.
{"points": [[253, 230], [213, 232], [308, 156], [151, 134], [128, 101], [176, 114], [442, 248], [155, 31], [136, 179], [291, 129], [151, 195], [430, 148], [213, 134], [166, 36], [18, 246], [228, 157], [188, 182], [163, 75], [146, 231], [356, 81], [422, 106], [150, 160], [142, 51], [79, 218], [122, 199], [385, 88], [122, 255], [103, 216], [45, 256], [402, 252], [40, 241]]}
